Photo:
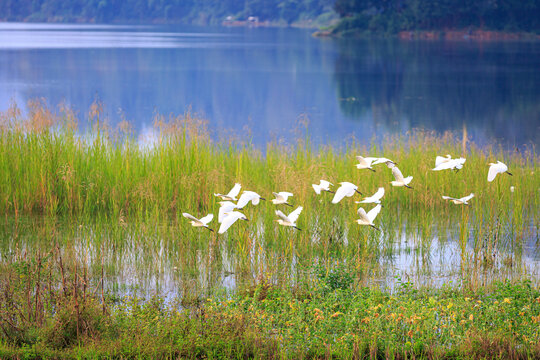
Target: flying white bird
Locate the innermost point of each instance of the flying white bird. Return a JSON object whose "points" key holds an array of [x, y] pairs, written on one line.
{"points": [[454, 164], [281, 198], [202, 222], [289, 220], [229, 219], [231, 196], [323, 186], [367, 218], [225, 207], [375, 198], [248, 196], [365, 162], [462, 200], [400, 181], [442, 159], [347, 189], [495, 169]]}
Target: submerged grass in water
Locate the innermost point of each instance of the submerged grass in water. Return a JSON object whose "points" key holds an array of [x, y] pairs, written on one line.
{"points": [[322, 319]]}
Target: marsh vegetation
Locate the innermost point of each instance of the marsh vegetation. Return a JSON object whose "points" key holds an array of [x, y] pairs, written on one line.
{"points": [[93, 246]]}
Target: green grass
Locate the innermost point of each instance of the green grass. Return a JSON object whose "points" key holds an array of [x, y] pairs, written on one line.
{"points": [[47, 168]]}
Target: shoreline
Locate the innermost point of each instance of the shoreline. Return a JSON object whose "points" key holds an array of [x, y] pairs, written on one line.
{"points": [[446, 34]]}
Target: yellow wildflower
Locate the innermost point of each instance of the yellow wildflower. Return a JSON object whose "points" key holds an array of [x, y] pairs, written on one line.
{"points": [[506, 300]]}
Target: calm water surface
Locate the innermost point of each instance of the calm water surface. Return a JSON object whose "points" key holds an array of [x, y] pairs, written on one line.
{"points": [[267, 79]]}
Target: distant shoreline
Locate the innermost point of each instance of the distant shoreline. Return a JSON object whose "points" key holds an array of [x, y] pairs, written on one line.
{"points": [[452, 34]]}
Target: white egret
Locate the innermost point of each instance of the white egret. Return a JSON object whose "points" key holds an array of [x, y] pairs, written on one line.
{"points": [[347, 189], [248, 196], [375, 198], [231, 196], [497, 168], [225, 207], [367, 218], [365, 162], [229, 219], [281, 198], [400, 180], [289, 220], [461, 201], [323, 186], [454, 164], [202, 222]]}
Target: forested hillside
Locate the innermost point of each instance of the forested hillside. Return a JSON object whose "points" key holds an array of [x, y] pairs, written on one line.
{"points": [[173, 11], [358, 16], [392, 16]]}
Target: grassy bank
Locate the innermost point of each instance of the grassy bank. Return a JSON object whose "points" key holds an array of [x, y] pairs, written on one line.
{"points": [[50, 308]]}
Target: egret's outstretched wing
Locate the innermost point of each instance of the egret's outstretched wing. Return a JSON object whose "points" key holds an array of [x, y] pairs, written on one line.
{"points": [[450, 164], [317, 188], [235, 190], [366, 161], [205, 220], [445, 165], [381, 160], [340, 194], [373, 198], [282, 216], [226, 206], [285, 194], [294, 215], [372, 214], [442, 159], [495, 169], [246, 197], [397, 174], [228, 220], [448, 198], [190, 217], [467, 198], [378, 195], [325, 184], [363, 215]]}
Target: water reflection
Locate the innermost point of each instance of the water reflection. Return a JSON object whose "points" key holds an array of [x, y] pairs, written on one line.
{"points": [[172, 260], [266, 79], [491, 88]]}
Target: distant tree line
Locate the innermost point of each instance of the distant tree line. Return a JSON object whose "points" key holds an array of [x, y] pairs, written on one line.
{"points": [[392, 16], [387, 16], [174, 11]]}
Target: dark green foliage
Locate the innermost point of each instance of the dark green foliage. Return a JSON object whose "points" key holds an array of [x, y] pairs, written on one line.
{"points": [[175, 11], [392, 16], [333, 279]]}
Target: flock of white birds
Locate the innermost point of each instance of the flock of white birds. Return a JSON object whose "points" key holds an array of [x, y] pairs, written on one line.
{"points": [[228, 214]]}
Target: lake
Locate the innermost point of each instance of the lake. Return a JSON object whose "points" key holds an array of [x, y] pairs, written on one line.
{"points": [[270, 80]]}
